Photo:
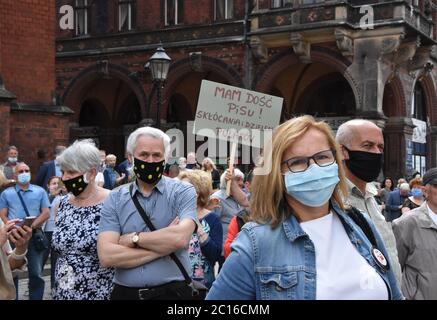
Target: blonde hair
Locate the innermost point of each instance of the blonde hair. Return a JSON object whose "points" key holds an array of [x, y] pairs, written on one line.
{"points": [[202, 182], [268, 191], [416, 182], [209, 160]]}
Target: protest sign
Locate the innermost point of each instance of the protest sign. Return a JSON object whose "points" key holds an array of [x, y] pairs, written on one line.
{"points": [[234, 114], [231, 113]]}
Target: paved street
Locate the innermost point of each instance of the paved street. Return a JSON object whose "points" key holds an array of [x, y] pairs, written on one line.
{"points": [[23, 291]]}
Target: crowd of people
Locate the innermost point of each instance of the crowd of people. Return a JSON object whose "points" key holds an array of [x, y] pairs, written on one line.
{"points": [[319, 225]]}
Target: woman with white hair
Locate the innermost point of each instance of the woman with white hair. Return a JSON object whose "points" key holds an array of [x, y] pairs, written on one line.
{"points": [[209, 166], [78, 274]]}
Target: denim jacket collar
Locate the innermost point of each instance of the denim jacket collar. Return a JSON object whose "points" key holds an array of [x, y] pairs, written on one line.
{"points": [[294, 231]]}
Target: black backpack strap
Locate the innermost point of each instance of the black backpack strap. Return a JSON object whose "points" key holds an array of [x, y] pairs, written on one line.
{"points": [[359, 220], [22, 203], [152, 228], [240, 222]]}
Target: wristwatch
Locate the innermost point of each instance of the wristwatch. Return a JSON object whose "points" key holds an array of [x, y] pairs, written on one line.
{"points": [[136, 238]]}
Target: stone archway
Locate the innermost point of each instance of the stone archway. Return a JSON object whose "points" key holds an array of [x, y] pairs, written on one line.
{"points": [[80, 84], [106, 104], [394, 102], [428, 84], [298, 82], [212, 69]]}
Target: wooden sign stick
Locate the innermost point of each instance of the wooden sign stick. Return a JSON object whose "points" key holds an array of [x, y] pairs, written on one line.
{"points": [[231, 166]]}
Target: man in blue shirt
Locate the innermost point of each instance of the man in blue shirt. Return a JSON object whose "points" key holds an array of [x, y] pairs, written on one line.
{"points": [[143, 268], [395, 201], [37, 204], [112, 178], [49, 169]]}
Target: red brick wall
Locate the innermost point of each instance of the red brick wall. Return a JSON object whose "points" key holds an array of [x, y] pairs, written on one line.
{"points": [[31, 132], [4, 127], [28, 48]]}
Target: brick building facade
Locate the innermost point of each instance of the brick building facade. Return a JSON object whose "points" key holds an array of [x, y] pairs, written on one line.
{"points": [[29, 116], [316, 54]]}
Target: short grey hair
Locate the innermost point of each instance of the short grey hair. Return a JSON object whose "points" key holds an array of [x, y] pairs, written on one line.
{"points": [[19, 164], [237, 173], [81, 156], [148, 132], [404, 186], [345, 132]]}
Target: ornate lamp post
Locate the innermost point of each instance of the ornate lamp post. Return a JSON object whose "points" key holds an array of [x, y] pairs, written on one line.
{"points": [[159, 64]]}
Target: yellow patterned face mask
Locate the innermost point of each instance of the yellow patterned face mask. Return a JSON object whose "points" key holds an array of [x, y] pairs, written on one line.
{"points": [[75, 185], [148, 172]]}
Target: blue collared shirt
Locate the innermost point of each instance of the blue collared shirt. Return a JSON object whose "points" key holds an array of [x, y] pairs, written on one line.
{"points": [[168, 200], [34, 197], [58, 172]]}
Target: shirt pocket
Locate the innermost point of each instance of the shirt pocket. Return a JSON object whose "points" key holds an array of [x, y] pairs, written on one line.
{"points": [[278, 285]]}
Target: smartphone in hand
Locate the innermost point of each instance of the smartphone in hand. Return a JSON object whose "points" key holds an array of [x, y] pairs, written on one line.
{"points": [[28, 221]]}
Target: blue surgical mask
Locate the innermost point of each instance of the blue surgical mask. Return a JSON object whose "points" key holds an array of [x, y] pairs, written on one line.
{"points": [[24, 178], [416, 192], [314, 186]]}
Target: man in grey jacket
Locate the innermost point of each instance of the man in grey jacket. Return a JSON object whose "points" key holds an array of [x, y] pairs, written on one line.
{"points": [[362, 146], [416, 237]]}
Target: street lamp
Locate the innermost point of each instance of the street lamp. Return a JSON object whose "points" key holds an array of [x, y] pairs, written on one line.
{"points": [[159, 64]]}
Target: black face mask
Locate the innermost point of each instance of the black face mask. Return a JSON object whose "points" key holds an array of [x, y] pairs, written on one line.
{"points": [[148, 172], [364, 165], [75, 185], [191, 166]]}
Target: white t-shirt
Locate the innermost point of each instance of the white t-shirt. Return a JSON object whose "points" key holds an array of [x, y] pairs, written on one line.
{"points": [[432, 214], [342, 273], [100, 179]]}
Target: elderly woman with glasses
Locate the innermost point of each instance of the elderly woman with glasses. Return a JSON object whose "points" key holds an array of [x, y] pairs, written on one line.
{"points": [[303, 242]]}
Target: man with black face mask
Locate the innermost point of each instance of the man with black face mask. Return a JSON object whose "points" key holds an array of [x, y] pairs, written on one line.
{"points": [[140, 256], [362, 146]]}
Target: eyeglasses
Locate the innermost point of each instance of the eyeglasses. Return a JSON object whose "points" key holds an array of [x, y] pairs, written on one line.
{"points": [[23, 171], [298, 164]]}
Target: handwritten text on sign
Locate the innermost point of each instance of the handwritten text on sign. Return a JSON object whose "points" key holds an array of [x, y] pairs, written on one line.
{"points": [[228, 113]]}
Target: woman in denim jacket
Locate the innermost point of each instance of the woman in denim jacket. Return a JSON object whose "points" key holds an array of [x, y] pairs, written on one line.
{"points": [[302, 243]]}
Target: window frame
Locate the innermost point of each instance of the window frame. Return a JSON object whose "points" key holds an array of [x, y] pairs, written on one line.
{"points": [[178, 17], [226, 17], [81, 10], [283, 4], [130, 16]]}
